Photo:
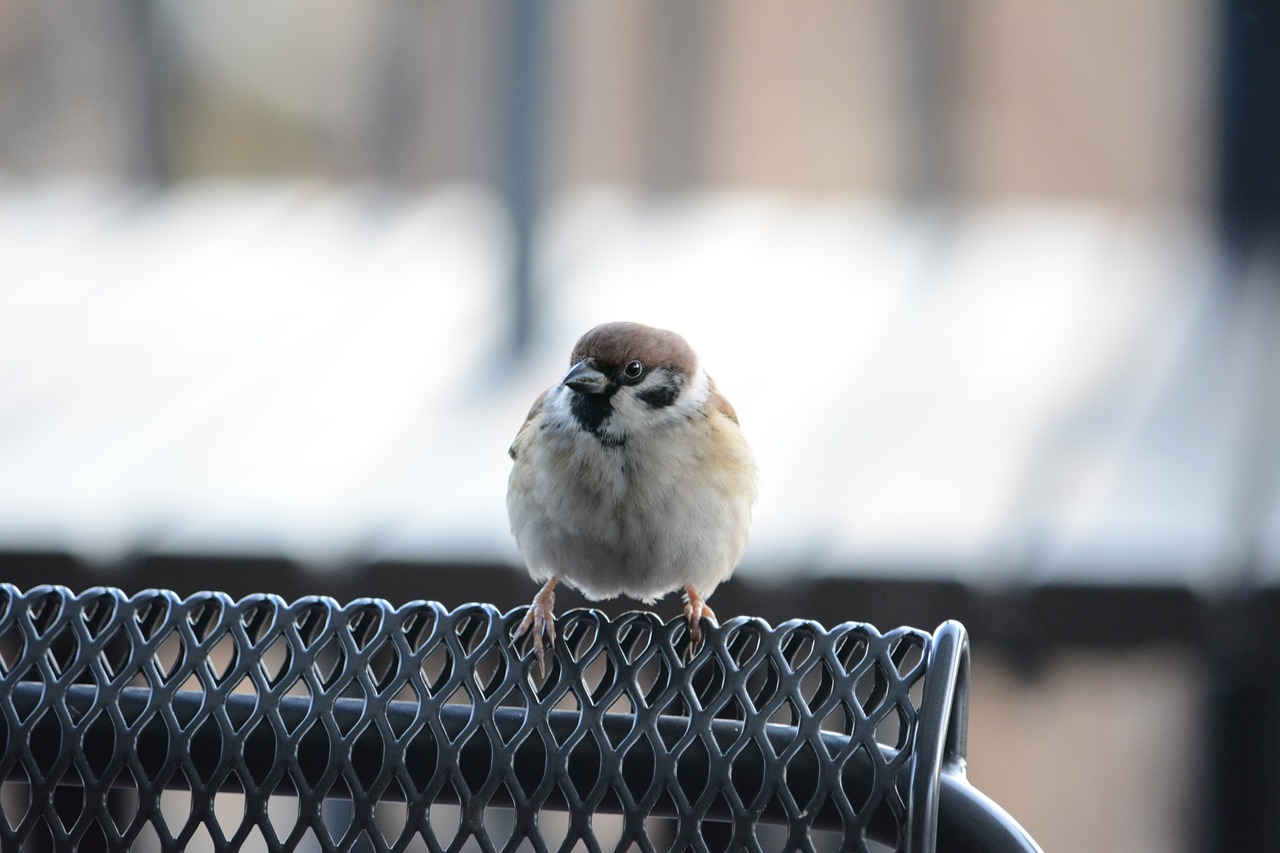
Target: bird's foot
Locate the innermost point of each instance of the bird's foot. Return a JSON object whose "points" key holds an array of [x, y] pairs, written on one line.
{"points": [[541, 619], [695, 610]]}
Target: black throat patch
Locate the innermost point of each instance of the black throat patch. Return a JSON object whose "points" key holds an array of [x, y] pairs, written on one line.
{"points": [[591, 411]]}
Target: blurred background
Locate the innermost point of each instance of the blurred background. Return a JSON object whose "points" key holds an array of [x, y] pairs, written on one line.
{"points": [[992, 285]]}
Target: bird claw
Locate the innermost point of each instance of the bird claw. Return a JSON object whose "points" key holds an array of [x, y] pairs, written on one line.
{"points": [[695, 610], [541, 619]]}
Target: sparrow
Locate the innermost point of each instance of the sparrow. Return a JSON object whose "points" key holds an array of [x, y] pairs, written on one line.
{"points": [[630, 477]]}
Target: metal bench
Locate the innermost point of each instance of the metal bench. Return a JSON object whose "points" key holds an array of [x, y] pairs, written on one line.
{"points": [[156, 722]]}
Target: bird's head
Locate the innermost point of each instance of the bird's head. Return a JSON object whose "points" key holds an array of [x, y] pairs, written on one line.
{"points": [[626, 377]]}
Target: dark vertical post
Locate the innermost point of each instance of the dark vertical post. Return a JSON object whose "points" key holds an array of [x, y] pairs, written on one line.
{"points": [[1248, 190], [1243, 655], [149, 56], [1240, 788], [523, 150], [926, 71]]}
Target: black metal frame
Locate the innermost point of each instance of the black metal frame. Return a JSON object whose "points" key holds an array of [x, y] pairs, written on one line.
{"points": [[109, 702]]}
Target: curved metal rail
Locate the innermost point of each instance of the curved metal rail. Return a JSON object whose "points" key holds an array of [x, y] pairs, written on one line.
{"points": [[155, 721]]}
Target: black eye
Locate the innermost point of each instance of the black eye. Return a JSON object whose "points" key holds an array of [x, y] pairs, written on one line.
{"points": [[633, 370]]}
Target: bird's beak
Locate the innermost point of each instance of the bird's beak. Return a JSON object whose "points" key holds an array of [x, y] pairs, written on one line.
{"points": [[584, 378]]}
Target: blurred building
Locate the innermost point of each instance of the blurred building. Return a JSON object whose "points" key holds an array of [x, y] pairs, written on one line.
{"points": [[262, 265], [989, 100]]}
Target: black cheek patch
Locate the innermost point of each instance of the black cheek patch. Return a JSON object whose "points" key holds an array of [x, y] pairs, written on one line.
{"points": [[660, 396]]}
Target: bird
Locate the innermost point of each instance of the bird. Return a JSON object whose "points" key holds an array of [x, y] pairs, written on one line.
{"points": [[631, 476]]}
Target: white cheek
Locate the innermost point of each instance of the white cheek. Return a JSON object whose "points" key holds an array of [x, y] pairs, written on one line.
{"points": [[631, 414], [558, 410], [693, 400], [557, 403]]}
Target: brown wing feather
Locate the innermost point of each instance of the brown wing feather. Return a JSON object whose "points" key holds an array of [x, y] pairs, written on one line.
{"points": [[718, 403], [524, 427]]}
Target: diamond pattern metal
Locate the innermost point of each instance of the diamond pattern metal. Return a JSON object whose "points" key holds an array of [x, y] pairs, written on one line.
{"points": [[266, 724]]}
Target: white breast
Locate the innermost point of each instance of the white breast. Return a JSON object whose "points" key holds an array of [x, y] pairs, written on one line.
{"points": [[669, 506]]}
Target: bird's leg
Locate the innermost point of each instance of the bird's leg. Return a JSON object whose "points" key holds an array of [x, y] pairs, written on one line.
{"points": [[696, 609], [541, 619]]}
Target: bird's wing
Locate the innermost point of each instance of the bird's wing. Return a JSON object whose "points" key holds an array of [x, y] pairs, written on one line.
{"points": [[534, 410], [719, 404]]}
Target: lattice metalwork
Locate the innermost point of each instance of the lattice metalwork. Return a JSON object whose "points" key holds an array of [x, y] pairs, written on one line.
{"points": [[156, 722]]}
